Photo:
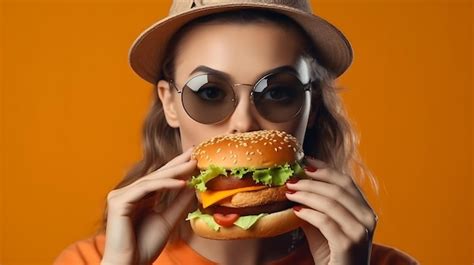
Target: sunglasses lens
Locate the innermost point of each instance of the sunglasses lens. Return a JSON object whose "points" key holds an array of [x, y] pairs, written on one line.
{"points": [[279, 97], [208, 99]]}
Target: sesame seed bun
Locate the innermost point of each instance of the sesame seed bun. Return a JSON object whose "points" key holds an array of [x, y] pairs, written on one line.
{"points": [[258, 149]]}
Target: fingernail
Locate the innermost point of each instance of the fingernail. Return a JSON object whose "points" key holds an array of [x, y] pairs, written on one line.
{"points": [[310, 168], [297, 208], [293, 180], [290, 191]]}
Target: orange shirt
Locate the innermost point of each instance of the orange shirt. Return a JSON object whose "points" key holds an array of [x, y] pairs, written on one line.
{"points": [[89, 251]]}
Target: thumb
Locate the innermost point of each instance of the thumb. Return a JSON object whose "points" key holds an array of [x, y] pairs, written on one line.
{"points": [[156, 228], [178, 208]]}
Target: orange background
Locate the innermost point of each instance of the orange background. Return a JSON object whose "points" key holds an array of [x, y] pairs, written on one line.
{"points": [[72, 109]]}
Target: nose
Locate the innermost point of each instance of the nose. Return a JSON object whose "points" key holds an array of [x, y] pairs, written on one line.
{"points": [[243, 118]]}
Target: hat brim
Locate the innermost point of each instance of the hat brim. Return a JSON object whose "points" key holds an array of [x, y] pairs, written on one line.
{"points": [[147, 52]]}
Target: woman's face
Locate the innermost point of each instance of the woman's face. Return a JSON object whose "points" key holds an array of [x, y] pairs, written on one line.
{"points": [[244, 52]]}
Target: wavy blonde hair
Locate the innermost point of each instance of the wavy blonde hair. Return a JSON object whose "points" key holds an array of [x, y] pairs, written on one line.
{"points": [[332, 137]]}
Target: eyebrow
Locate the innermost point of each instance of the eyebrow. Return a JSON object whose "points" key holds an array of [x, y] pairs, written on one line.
{"points": [[206, 69]]}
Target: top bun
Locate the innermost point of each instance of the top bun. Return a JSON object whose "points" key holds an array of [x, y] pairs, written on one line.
{"points": [[257, 149]]}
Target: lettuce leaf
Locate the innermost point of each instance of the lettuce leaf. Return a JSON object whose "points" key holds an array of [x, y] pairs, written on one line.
{"points": [[244, 222], [199, 182], [299, 171], [208, 219], [239, 172], [275, 176]]}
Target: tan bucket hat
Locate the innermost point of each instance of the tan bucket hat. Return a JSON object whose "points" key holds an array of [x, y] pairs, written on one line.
{"points": [[147, 52]]}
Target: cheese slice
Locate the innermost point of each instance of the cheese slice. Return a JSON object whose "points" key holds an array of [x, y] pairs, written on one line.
{"points": [[209, 198]]}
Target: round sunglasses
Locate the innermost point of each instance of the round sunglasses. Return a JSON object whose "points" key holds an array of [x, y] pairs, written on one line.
{"points": [[210, 98]]}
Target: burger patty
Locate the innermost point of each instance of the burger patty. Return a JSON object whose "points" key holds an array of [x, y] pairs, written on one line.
{"points": [[222, 182], [252, 210], [255, 198]]}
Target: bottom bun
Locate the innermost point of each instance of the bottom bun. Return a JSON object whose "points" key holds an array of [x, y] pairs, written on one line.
{"points": [[268, 226]]}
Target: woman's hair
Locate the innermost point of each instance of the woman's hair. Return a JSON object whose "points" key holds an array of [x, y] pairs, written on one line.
{"points": [[330, 138]]}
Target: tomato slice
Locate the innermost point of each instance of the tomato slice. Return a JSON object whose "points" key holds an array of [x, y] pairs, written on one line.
{"points": [[225, 220]]}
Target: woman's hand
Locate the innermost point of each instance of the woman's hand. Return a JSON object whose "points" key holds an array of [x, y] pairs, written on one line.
{"points": [[340, 223], [129, 243]]}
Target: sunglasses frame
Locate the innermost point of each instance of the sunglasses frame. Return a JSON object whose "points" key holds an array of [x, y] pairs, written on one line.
{"points": [[306, 88]]}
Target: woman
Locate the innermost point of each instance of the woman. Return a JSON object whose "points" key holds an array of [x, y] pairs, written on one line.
{"points": [[240, 43]]}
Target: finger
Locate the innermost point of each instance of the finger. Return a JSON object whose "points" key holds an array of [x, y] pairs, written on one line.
{"points": [[151, 183], [330, 175], [332, 208], [358, 206], [181, 170], [120, 201], [184, 157], [337, 239]]}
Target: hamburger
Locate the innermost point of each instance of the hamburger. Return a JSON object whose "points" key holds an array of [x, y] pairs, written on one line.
{"points": [[241, 186]]}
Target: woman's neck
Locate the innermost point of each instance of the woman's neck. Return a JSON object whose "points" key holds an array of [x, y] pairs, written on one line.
{"points": [[248, 251]]}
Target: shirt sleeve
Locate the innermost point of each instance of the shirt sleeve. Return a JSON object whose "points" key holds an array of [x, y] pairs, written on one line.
{"points": [[385, 255], [84, 252]]}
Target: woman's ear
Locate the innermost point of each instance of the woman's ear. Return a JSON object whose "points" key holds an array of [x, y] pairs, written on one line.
{"points": [[167, 98]]}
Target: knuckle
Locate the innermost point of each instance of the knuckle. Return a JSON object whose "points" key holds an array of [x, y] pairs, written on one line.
{"points": [[371, 218], [347, 182], [111, 195], [112, 200], [338, 191], [330, 203], [361, 234], [325, 221]]}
